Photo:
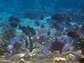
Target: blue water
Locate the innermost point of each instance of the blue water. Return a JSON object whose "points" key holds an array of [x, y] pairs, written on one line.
{"points": [[17, 7]]}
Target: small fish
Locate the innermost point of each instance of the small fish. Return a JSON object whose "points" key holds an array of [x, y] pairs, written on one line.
{"points": [[69, 19], [12, 18], [31, 30], [83, 52], [48, 33], [26, 45], [24, 29], [28, 30], [81, 15], [58, 26], [42, 17], [82, 28], [29, 15], [42, 26], [14, 24], [14, 21], [73, 34], [58, 17], [37, 23]]}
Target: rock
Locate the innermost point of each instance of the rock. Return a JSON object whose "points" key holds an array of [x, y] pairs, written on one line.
{"points": [[22, 61], [17, 56]]}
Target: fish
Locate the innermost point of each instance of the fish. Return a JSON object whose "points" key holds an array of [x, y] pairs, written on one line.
{"points": [[31, 30], [48, 33], [28, 30], [29, 15], [82, 27], [69, 19], [73, 34], [42, 26], [58, 17], [24, 29], [37, 23], [58, 26], [12, 18], [82, 52], [14, 24], [26, 45], [14, 21], [42, 17]]}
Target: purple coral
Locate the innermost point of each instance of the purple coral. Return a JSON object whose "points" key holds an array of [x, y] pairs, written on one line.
{"points": [[46, 47]]}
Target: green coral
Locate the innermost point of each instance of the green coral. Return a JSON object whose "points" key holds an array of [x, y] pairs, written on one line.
{"points": [[3, 49], [6, 36]]}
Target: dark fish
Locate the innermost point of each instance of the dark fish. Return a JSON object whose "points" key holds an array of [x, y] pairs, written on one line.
{"points": [[82, 28], [42, 17], [11, 18], [58, 17], [48, 33], [82, 52], [14, 21], [24, 29], [69, 19], [31, 30], [58, 26], [30, 15], [27, 30], [26, 45], [73, 34], [42, 26], [37, 23], [50, 21], [14, 24]]}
